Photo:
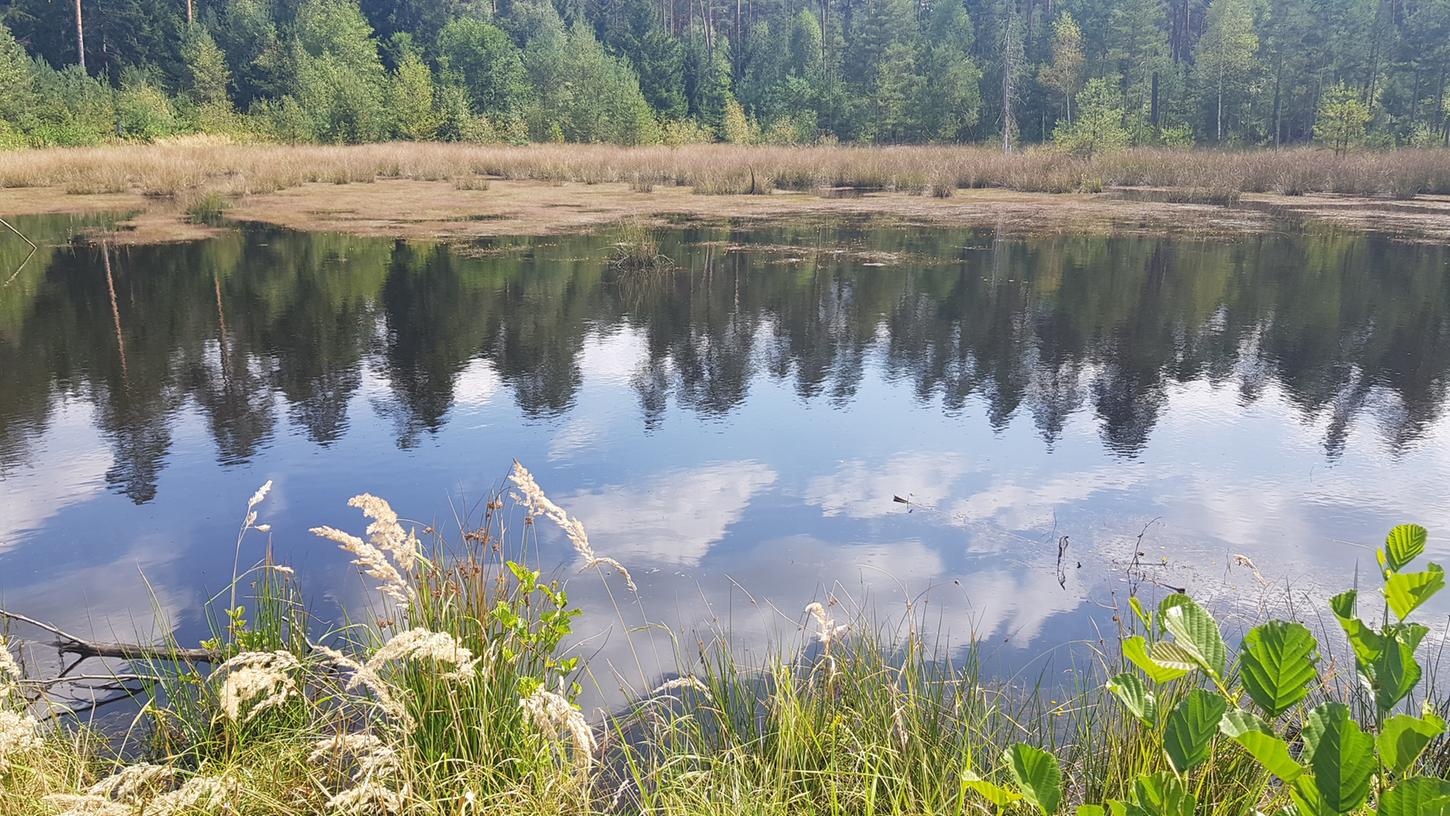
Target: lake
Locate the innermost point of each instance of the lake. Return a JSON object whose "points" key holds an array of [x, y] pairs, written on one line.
{"points": [[1010, 431]]}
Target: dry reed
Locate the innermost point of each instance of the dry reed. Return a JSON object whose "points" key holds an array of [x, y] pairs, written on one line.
{"points": [[182, 169]]}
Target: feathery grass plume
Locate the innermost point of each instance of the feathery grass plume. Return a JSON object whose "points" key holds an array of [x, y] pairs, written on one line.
{"points": [[687, 681], [385, 532], [555, 718], [10, 674], [255, 500], [372, 562], [422, 644], [74, 804], [17, 736], [826, 629], [532, 497], [263, 679], [373, 762], [363, 677], [132, 782], [199, 793]]}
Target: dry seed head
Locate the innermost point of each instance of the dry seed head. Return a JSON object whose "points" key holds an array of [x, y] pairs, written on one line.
{"points": [[261, 493], [367, 799], [364, 677], [826, 629], [197, 793], [422, 644], [532, 497], [556, 718], [371, 561], [10, 674], [262, 679], [385, 532], [686, 682], [17, 736], [132, 781]]}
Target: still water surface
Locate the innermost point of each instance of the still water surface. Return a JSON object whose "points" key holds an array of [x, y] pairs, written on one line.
{"points": [[740, 433]]}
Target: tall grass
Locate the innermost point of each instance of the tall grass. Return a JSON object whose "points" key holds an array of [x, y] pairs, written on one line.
{"points": [[186, 166], [455, 696]]}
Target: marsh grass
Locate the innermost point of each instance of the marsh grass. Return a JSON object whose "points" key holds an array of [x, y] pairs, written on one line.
{"points": [[174, 168], [860, 714]]}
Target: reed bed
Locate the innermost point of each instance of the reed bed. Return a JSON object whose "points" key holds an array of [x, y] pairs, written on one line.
{"points": [[189, 167], [458, 697]]}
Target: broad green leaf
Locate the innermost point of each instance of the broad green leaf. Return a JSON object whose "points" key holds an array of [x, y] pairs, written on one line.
{"points": [[1253, 735], [1405, 591], [1307, 800], [992, 792], [1170, 655], [1091, 810], [1136, 650], [1195, 631], [1143, 615], [1404, 543], [1366, 642], [1417, 796], [1162, 794], [1341, 755], [1402, 738], [1117, 808], [1395, 671], [1277, 664], [1188, 736], [1037, 776], [1130, 689]]}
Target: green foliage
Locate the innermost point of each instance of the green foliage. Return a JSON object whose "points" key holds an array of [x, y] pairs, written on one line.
{"points": [[1098, 124], [1340, 765], [1341, 118], [483, 60], [1192, 725], [1276, 664], [411, 96], [1037, 776]]}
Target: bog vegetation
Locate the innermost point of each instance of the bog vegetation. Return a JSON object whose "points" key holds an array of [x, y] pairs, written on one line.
{"points": [[460, 697], [1089, 75]]}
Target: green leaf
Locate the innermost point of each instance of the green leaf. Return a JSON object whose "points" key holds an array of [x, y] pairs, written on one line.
{"points": [[1143, 615], [1195, 631], [1341, 755], [1162, 794], [1130, 689], [1277, 664], [1188, 737], [1395, 671], [1367, 642], [1091, 810], [1136, 650], [1404, 543], [1405, 591], [1254, 736], [992, 792], [1417, 796], [1037, 775], [1170, 655], [1307, 801], [1402, 738]]}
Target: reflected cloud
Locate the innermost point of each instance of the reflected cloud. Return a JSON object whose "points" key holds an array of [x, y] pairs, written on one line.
{"points": [[860, 490], [74, 471], [674, 517], [1022, 504]]}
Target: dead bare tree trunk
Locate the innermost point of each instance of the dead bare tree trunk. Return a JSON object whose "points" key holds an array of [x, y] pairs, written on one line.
{"points": [[80, 38]]}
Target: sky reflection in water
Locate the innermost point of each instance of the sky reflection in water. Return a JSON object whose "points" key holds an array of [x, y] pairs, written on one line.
{"points": [[738, 432]]}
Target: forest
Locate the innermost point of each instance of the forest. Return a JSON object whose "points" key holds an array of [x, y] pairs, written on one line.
{"points": [[1087, 75]]}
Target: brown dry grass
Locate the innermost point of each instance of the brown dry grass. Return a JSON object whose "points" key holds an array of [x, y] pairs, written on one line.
{"points": [[184, 168], [453, 191]]}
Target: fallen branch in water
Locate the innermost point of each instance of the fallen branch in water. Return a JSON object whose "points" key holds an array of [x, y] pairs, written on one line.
{"points": [[84, 649]]}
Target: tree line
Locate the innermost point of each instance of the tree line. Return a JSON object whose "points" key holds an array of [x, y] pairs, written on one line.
{"points": [[1088, 74]]}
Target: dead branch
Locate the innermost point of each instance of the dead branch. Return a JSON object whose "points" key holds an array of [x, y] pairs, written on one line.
{"points": [[84, 649]]}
